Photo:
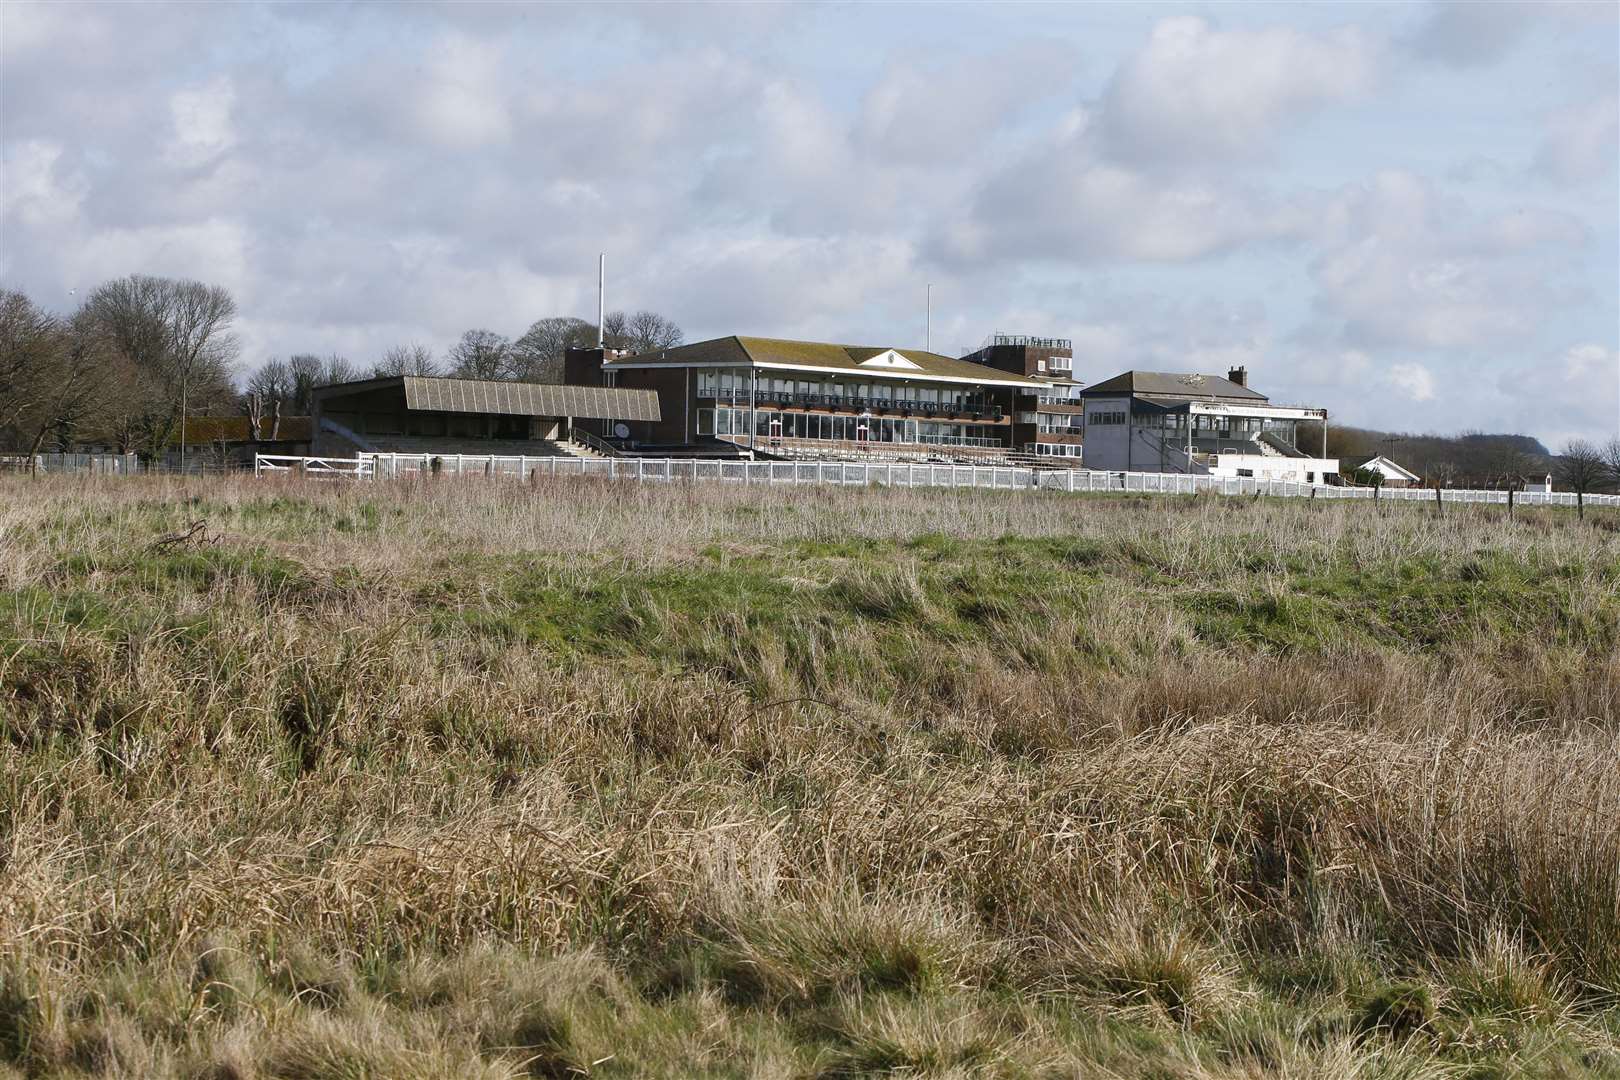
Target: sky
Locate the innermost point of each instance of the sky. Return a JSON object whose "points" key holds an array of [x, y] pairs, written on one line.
{"points": [[1408, 214]]}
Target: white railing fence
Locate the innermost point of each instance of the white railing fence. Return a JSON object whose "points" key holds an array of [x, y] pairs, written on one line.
{"points": [[896, 474]]}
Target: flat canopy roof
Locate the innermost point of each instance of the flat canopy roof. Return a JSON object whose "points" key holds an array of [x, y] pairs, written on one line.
{"points": [[508, 398], [824, 357], [1155, 403]]}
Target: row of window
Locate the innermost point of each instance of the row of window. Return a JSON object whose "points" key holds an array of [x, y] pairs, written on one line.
{"points": [[1107, 417], [736, 382], [785, 425]]}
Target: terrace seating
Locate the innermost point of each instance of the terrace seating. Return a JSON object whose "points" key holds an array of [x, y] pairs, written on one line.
{"points": [[439, 446]]}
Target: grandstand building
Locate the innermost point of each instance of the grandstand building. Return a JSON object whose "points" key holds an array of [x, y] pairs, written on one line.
{"points": [[786, 398], [416, 414], [1150, 421]]}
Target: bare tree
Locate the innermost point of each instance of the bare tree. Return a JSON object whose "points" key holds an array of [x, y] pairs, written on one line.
{"points": [[177, 332], [537, 356], [481, 354], [406, 360], [1581, 469], [650, 332], [645, 331], [307, 371], [29, 338], [272, 381], [1611, 462]]}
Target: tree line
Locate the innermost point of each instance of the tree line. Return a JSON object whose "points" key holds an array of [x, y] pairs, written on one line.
{"points": [[1474, 459], [142, 354]]}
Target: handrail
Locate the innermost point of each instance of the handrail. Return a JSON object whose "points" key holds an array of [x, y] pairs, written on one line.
{"points": [[593, 442]]}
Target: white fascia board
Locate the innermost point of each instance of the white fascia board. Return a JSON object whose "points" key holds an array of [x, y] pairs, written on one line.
{"points": [[868, 373], [1274, 412], [857, 374]]}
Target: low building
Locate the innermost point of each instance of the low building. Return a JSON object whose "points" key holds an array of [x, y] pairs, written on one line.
{"points": [[1048, 418], [421, 415], [1149, 421], [778, 396], [1389, 473]]}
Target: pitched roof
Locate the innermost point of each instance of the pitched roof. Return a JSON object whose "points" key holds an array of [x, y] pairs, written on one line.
{"points": [[1170, 384], [1388, 468], [824, 356]]}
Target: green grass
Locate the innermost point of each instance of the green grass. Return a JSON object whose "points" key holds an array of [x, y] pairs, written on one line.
{"points": [[582, 779]]}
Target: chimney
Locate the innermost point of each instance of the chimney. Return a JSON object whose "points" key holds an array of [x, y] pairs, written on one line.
{"points": [[1239, 375]]}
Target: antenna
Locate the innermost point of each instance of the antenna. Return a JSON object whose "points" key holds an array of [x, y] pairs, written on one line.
{"points": [[601, 301], [928, 305]]}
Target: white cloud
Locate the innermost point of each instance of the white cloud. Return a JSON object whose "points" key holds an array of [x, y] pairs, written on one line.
{"points": [[1195, 92], [31, 190], [462, 104], [202, 123], [1582, 141], [1401, 264], [1412, 380]]}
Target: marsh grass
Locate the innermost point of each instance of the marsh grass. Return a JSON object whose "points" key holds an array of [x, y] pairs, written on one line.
{"points": [[590, 779]]}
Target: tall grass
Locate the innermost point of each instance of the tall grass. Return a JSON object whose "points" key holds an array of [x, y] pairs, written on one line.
{"points": [[592, 779]]}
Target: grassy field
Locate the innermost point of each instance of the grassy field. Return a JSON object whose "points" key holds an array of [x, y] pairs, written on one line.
{"points": [[586, 780]]}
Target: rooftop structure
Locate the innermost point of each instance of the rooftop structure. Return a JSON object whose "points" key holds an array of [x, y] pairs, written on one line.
{"points": [[1151, 421], [1390, 473], [1047, 420]]}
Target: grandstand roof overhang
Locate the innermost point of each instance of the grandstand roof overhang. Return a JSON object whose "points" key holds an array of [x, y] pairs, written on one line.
{"points": [[427, 394]]}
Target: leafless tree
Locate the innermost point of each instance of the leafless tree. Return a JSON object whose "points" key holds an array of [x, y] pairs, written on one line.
{"points": [[308, 371], [1611, 463], [176, 332], [1581, 469], [272, 381], [537, 356], [645, 331], [407, 360], [481, 354], [29, 338]]}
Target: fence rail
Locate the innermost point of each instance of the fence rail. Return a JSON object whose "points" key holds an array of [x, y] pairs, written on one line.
{"points": [[899, 474]]}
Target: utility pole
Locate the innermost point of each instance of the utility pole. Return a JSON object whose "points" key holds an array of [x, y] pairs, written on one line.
{"points": [[601, 302], [928, 319]]}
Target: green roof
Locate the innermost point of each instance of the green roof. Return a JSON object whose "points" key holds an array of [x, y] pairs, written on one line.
{"points": [[824, 356]]}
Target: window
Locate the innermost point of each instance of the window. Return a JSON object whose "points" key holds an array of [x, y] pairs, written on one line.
{"points": [[1245, 472], [1106, 418]]}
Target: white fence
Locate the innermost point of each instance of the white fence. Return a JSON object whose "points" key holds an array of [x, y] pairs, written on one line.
{"points": [[110, 464], [899, 474]]}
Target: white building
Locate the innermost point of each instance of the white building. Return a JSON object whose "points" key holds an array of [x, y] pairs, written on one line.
{"points": [[1393, 475], [1149, 421]]}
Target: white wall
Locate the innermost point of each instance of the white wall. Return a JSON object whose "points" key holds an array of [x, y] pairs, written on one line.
{"points": [[1266, 467]]}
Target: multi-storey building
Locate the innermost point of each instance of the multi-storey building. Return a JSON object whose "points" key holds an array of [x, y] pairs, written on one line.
{"points": [[770, 394], [1048, 417], [1150, 421]]}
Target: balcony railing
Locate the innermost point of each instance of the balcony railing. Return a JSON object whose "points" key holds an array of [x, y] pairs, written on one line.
{"points": [[851, 403]]}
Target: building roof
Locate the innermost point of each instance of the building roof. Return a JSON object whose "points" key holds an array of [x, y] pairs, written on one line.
{"points": [[1388, 469], [1181, 387], [207, 430], [823, 356], [509, 398]]}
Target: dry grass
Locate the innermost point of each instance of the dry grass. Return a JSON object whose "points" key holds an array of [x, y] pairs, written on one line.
{"points": [[579, 779]]}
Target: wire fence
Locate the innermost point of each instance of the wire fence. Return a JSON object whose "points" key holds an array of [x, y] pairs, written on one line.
{"points": [[371, 467]]}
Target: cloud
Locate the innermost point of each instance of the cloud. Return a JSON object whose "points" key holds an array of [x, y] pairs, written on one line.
{"points": [[1414, 381], [1472, 34], [1198, 93], [1582, 141], [1401, 264], [202, 123]]}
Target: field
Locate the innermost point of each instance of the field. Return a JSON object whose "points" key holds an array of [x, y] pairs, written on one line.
{"points": [[580, 779]]}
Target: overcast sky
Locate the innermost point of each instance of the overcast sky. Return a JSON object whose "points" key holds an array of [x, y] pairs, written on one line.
{"points": [[1407, 214]]}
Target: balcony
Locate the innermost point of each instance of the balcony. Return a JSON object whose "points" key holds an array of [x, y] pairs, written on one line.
{"points": [[842, 403]]}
